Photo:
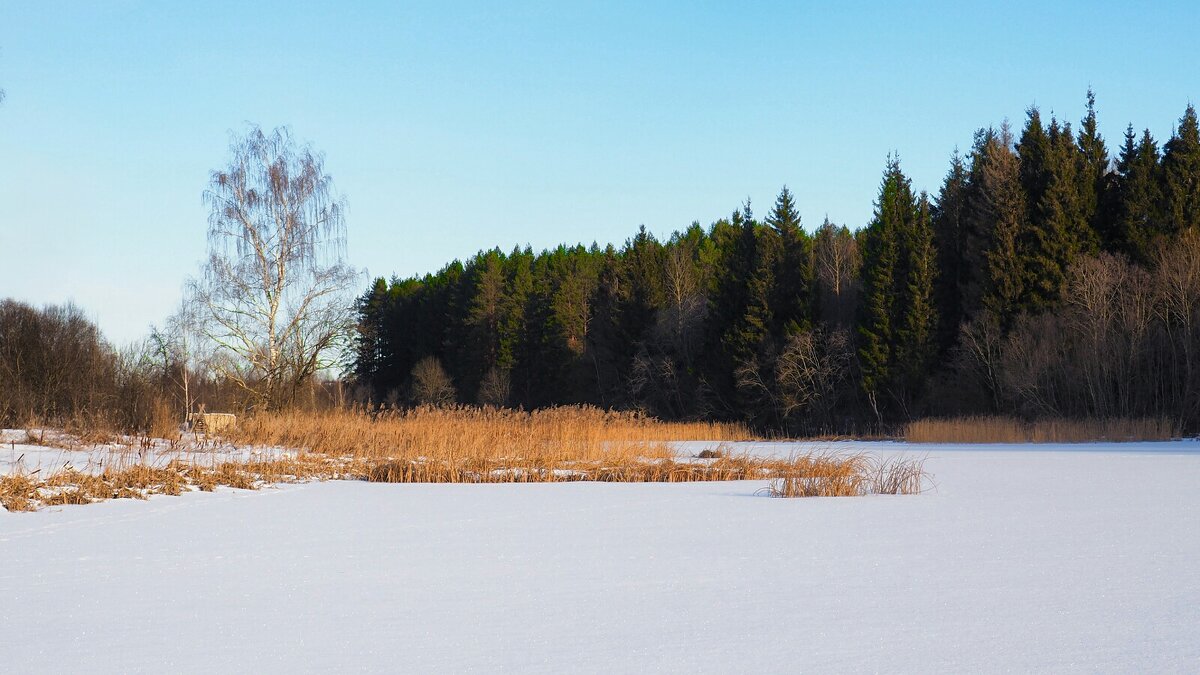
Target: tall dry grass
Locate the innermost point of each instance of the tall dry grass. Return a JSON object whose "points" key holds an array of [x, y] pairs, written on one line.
{"points": [[1009, 430], [829, 475], [470, 445], [460, 444], [561, 433]]}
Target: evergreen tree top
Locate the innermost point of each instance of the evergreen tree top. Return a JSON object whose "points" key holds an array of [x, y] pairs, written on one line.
{"points": [[784, 217], [1187, 135]]}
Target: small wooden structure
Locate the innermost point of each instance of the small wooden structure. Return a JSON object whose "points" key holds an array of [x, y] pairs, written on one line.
{"points": [[211, 423]]}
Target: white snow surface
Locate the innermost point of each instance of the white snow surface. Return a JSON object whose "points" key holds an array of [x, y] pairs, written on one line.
{"points": [[1023, 559], [18, 456]]}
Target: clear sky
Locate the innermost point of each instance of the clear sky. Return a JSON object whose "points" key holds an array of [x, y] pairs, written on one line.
{"points": [[456, 126]]}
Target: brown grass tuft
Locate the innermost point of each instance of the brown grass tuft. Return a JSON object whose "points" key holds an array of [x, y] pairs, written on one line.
{"points": [[826, 475]]}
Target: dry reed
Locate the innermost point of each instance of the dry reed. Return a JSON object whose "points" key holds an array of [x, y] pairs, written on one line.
{"points": [[1009, 430], [468, 445], [829, 475]]}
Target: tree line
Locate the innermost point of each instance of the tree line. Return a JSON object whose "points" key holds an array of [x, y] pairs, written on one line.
{"points": [[1047, 277]]}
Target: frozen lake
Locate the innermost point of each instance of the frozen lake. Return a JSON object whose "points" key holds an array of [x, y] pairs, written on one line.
{"points": [[1046, 558]]}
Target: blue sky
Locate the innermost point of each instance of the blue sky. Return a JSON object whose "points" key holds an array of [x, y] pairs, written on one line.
{"points": [[455, 126]]}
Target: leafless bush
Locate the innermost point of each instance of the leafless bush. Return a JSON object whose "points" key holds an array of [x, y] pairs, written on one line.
{"points": [[810, 370], [495, 388], [431, 384]]}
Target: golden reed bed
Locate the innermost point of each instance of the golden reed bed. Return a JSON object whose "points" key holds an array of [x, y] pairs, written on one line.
{"points": [[1009, 430], [472, 445]]}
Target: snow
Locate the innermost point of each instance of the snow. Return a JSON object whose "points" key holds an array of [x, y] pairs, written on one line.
{"points": [[1024, 558], [60, 451]]}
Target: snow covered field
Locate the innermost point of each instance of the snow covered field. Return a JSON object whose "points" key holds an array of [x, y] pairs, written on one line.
{"points": [[1047, 558], [59, 451]]}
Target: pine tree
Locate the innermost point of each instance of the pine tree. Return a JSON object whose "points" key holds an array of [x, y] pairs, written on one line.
{"points": [[1181, 175]]}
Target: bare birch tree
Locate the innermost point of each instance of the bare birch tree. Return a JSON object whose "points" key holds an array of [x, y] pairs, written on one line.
{"points": [[275, 291]]}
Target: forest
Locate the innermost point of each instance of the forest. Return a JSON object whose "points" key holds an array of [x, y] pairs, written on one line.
{"points": [[1048, 277]]}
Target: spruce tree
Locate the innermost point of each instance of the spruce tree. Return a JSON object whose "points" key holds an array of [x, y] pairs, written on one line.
{"points": [[949, 240], [1181, 175], [915, 336], [1048, 166], [370, 339], [1138, 203], [784, 217], [881, 267], [793, 296], [977, 226], [643, 293], [1092, 175], [1057, 231], [1002, 212], [1033, 149], [732, 242]]}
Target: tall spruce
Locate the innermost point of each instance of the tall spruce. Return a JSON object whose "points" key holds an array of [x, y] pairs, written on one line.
{"points": [[949, 223], [1001, 216], [1047, 174], [793, 296], [1181, 175], [897, 320], [915, 339], [1092, 174], [1137, 212]]}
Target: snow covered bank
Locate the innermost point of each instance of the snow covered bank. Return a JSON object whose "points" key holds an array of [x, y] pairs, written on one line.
{"points": [[1046, 560], [58, 450]]}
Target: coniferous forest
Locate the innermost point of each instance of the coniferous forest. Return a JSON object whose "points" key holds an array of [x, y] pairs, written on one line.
{"points": [[1050, 275]]}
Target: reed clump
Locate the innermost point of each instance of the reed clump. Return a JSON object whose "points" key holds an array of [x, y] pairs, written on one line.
{"points": [[828, 475], [988, 429]]}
